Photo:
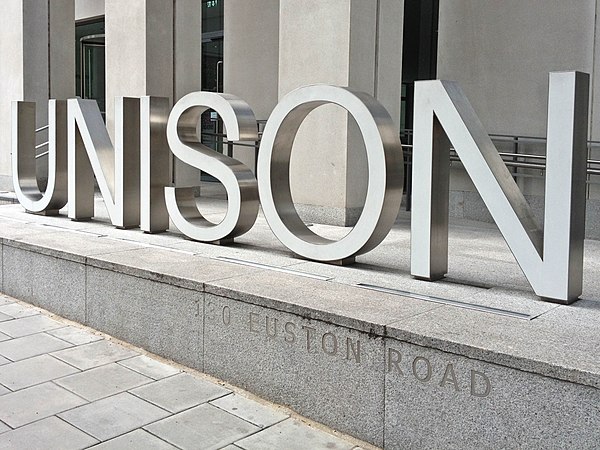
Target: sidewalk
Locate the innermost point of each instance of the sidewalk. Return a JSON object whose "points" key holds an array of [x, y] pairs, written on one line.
{"points": [[63, 386]]}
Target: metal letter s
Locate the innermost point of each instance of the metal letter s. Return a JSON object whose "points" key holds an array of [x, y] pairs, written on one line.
{"points": [[239, 182]]}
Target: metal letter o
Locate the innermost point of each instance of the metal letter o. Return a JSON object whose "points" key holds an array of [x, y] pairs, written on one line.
{"points": [[385, 172]]}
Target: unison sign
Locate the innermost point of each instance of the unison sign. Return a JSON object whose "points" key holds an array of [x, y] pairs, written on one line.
{"points": [[133, 175]]}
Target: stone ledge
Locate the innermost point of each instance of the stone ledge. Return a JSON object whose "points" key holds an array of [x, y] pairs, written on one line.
{"points": [[378, 314], [368, 363]]}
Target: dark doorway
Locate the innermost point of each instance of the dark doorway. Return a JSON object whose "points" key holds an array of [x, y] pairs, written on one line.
{"points": [[419, 51], [212, 68], [90, 68], [419, 62]]}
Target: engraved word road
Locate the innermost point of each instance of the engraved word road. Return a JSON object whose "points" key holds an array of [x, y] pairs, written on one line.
{"points": [[329, 344]]}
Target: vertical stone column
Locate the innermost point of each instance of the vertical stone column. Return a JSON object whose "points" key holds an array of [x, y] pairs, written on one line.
{"points": [[139, 50], [187, 67], [61, 49], [153, 47], [87, 9], [32, 67], [251, 59], [348, 43], [188, 46]]}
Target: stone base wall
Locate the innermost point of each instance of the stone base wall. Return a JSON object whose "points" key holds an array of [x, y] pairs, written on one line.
{"points": [[359, 377]]}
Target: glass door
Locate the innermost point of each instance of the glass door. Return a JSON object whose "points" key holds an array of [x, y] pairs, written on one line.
{"points": [[212, 68], [93, 70], [90, 62]]}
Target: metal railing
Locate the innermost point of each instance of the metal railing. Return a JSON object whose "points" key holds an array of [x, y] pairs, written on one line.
{"points": [[43, 144], [229, 145], [517, 159], [521, 164]]}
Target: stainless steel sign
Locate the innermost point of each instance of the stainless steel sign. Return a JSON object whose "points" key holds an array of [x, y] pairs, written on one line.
{"points": [[133, 175]]}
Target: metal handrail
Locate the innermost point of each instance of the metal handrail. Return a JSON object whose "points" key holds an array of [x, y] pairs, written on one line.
{"points": [[514, 157], [518, 164], [43, 144], [516, 160]]}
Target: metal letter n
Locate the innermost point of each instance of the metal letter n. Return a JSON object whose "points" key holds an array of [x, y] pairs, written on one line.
{"points": [[552, 258]]}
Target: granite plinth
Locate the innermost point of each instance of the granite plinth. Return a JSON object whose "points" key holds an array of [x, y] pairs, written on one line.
{"points": [[394, 370]]}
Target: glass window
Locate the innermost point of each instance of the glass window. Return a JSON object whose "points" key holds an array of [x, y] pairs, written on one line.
{"points": [[90, 63]]}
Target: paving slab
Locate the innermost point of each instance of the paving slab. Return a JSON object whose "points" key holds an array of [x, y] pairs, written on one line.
{"points": [[94, 354], [150, 367], [387, 274], [36, 370], [293, 435], [46, 434], [75, 336], [31, 345], [69, 245], [16, 214], [136, 440], [204, 426], [110, 417], [349, 306], [13, 228], [29, 325], [35, 403], [103, 381], [180, 392], [4, 428], [251, 246], [17, 310], [251, 411], [5, 317]]}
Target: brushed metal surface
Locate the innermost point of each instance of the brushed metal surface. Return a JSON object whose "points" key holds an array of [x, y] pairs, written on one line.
{"points": [[25, 180], [154, 163], [238, 179], [385, 175], [551, 259], [116, 169]]}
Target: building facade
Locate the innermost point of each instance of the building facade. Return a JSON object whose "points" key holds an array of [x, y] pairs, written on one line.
{"points": [[500, 53]]}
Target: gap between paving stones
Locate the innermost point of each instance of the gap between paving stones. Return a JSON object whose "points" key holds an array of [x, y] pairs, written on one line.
{"points": [[358, 444]]}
